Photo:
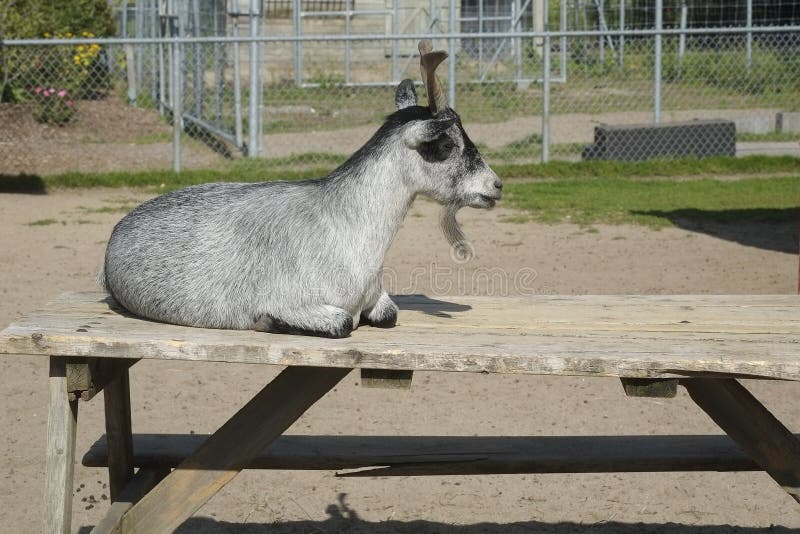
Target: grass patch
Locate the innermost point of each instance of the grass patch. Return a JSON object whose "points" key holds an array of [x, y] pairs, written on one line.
{"points": [[164, 180], [315, 165], [120, 208], [42, 222], [769, 137], [656, 168], [657, 203]]}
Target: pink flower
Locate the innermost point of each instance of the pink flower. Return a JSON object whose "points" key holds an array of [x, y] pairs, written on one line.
{"points": [[62, 93], [38, 90], [69, 103], [52, 91]]}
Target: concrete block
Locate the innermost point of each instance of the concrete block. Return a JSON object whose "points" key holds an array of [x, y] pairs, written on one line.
{"points": [[699, 138], [756, 124], [789, 121]]}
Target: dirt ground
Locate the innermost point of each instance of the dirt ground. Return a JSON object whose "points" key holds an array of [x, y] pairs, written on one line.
{"points": [[41, 260]]}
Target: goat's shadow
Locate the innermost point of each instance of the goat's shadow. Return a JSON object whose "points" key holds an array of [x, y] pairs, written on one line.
{"points": [[27, 184], [429, 306]]}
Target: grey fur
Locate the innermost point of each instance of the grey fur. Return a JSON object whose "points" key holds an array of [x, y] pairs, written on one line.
{"points": [[297, 257]]}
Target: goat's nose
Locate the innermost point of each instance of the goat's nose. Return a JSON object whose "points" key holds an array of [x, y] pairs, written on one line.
{"points": [[498, 184]]}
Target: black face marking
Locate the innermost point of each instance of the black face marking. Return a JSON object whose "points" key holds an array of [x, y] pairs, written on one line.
{"points": [[437, 150], [472, 158]]}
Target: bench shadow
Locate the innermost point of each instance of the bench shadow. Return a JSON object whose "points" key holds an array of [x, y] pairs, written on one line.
{"points": [[26, 184], [429, 306], [765, 228], [203, 525]]}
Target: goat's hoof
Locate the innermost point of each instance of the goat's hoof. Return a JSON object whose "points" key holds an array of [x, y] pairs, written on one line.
{"points": [[383, 315], [340, 330]]}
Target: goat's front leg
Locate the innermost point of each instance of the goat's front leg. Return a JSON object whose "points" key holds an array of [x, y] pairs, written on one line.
{"points": [[322, 320], [383, 314]]}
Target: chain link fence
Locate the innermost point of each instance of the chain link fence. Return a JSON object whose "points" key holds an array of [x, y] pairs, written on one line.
{"points": [[305, 82]]}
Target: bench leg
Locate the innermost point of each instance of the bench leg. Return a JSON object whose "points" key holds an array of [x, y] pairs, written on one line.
{"points": [[117, 398], [220, 458], [752, 427], [62, 419]]}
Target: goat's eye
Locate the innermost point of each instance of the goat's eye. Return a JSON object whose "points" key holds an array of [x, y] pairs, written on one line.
{"points": [[438, 150]]}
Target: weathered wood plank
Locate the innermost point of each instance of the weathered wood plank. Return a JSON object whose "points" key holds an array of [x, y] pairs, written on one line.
{"points": [[142, 482], [117, 399], [665, 388], [752, 426], [386, 379], [62, 419], [86, 377], [437, 455], [219, 459], [624, 336]]}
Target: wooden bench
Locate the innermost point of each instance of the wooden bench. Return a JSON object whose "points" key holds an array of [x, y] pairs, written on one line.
{"points": [[652, 343]]}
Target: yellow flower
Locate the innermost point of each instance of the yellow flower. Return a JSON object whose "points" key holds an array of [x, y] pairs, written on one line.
{"points": [[85, 34], [79, 48], [76, 59], [47, 35], [69, 34]]}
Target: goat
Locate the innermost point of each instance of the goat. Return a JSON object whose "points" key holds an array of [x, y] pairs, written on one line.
{"points": [[300, 257]]}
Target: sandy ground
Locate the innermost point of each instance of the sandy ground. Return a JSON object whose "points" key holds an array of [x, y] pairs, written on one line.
{"points": [[40, 261]]}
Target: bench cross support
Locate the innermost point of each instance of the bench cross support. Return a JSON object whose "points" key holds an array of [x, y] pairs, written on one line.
{"points": [[751, 426], [230, 449]]}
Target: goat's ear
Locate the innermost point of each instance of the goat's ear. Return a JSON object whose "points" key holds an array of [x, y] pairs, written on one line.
{"points": [[419, 132], [405, 95]]}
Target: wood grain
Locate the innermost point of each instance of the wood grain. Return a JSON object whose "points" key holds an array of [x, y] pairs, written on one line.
{"points": [[661, 388], [222, 455], [625, 336], [142, 482], [437, 455], [117, 400], [62, 419]]}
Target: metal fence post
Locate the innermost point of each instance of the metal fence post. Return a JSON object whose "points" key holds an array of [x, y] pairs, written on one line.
{"points": [[298, 51], [546, 98], [347, 30], [254, 119], [177, 105], [682, 36], [237, 81], [451, 71], [197, 76], [395, 26], [657, 63], [621, 45], [749, 35], [563, 27]]}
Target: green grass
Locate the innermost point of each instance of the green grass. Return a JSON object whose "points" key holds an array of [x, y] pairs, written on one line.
{"points": [[42, 222], [315, 165], [656, 203], [769, 137], [764, 189], [657, 168]]}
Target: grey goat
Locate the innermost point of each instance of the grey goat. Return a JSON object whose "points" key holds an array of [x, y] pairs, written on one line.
{"points": [[300, 257]]}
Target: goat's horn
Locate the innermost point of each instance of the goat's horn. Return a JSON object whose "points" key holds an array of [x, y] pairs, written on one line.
{"points": [[428, 61]]}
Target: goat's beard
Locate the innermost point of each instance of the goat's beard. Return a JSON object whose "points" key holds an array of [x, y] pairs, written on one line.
{"points": [[461, 248]]}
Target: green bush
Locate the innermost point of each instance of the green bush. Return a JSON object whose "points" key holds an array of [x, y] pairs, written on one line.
{"points": [[23, 68]]}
